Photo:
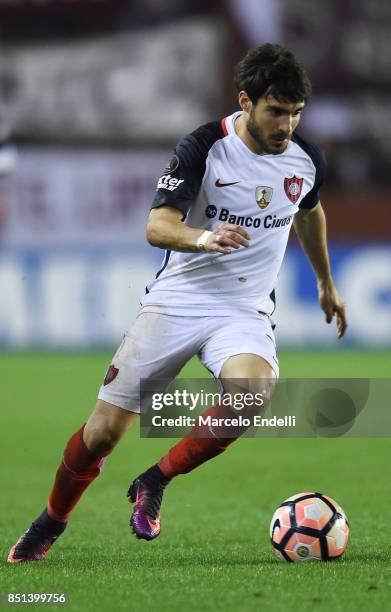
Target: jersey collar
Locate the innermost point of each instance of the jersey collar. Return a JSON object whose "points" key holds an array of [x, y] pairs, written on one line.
{"points": [[228, 124]]}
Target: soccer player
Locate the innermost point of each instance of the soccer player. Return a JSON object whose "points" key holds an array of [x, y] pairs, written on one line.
{"points": [[223, 211]]}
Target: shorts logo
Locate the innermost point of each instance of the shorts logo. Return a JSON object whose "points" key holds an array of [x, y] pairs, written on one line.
{"points": [[167, 182], [111, 374], [211, 211], [293, 187], [263, 196]]}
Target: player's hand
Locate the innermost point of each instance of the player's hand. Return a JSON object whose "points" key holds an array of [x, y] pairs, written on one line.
{"points": [[332, 305], [227, 237]]}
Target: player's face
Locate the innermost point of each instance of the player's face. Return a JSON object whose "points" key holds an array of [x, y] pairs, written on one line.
{"points": [[271, 123]]}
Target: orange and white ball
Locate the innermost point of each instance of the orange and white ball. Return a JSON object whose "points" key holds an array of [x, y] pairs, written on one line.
{"points": [[309, 527]]}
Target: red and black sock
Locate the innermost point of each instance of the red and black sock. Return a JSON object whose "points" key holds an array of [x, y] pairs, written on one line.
{"points": [[77, 471], [200, 445]]}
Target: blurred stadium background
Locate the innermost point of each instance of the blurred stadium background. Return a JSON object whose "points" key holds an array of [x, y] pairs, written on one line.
{"points": [[94, 95]]}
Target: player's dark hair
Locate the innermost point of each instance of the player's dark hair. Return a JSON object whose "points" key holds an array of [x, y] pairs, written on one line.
{"points": [[272, 70]]}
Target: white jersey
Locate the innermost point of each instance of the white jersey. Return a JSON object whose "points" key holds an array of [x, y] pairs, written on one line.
{"points": [[214, 178]]}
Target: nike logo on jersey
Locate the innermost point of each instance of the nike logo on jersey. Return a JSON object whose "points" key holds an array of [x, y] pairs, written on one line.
{"points": [[219, 184]]}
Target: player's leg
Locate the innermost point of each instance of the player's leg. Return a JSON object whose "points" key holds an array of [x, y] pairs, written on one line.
{"points": [[85, 456], [150, 350], [177, 339], [87, 449], [83, 460], [244, 373], [242, 349]]}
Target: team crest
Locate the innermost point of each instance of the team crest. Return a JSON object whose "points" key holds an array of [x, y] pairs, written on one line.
{"points": [[293, 187], [263, 196], [110, 375]]}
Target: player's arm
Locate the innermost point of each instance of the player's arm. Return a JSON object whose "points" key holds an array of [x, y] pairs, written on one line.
{"points": [[176, 192], [310, 227], [166, 230]]}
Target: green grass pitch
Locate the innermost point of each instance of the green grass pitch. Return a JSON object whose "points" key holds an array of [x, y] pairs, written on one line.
{"points": [[214, 552]]}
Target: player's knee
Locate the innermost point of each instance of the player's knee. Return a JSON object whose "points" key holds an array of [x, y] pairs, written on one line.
{"points": [[249, 392], [100, 439]]}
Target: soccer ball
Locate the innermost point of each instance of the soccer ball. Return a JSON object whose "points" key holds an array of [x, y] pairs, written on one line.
{"points": [[309, 527]]}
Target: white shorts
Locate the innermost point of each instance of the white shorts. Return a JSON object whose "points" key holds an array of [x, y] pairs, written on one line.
{"points": [[159, 345]]}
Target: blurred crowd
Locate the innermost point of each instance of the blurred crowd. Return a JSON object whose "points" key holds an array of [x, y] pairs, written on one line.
{"points": [[137, 73], [94, 94]]}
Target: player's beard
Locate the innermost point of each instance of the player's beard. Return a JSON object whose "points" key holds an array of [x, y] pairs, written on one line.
{"points": [[266, 145]]}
